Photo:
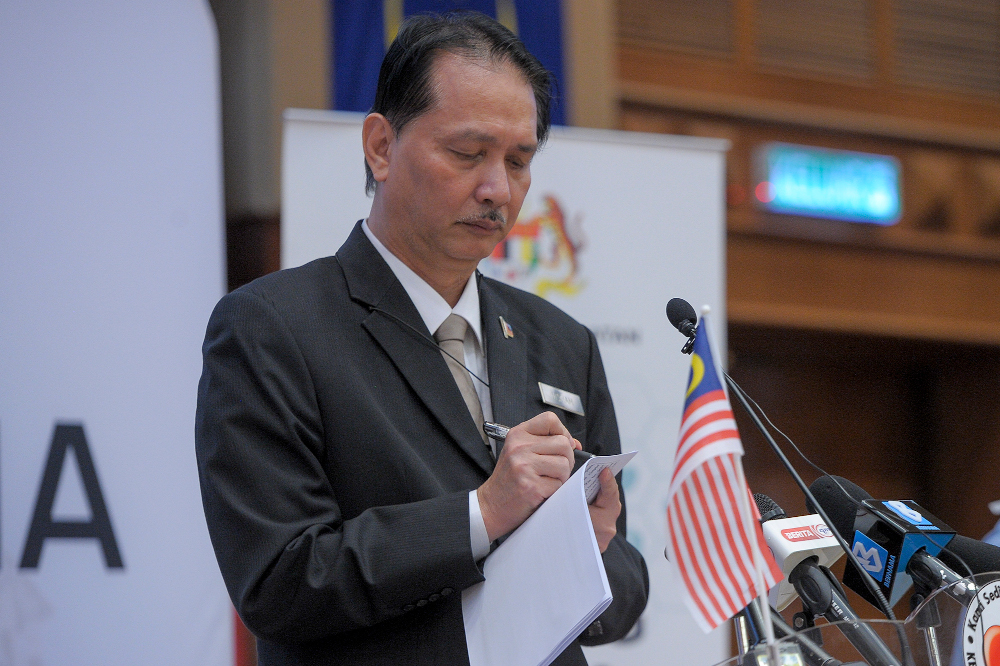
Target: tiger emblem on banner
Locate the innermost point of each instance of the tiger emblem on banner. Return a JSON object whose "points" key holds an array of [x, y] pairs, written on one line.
{"points": [[541, 252]]}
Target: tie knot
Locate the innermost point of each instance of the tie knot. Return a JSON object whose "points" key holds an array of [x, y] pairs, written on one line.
{"points": [[453, 328]]}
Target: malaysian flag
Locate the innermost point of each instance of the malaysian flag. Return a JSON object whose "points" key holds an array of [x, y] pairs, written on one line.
{"points": [[713, 536]]}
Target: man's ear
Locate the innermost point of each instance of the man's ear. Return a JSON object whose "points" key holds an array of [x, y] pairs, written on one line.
{"points": [[377, 137]]}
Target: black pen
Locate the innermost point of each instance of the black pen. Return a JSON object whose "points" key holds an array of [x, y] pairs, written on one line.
{"points": [[499, 433]]}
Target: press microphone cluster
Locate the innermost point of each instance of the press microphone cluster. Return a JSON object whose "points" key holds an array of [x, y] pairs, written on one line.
{"points": [[892, 545], [899, 544], [680, 314]]}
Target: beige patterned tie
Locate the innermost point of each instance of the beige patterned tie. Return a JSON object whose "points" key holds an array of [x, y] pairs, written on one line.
{"points": [[450, 337]]}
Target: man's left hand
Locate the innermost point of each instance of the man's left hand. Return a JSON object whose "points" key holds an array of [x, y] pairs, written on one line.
{"points": [[605, 509]]}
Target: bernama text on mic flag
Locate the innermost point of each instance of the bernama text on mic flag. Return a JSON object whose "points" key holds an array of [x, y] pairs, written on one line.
{"points": [[714, 537]]}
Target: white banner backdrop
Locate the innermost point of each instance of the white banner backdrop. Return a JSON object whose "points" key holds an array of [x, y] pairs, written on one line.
{"points": [[615, 224], [111, 259]]}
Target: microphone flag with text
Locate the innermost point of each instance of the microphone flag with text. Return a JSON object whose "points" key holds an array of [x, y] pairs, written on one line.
{"points": [[713, 536]]}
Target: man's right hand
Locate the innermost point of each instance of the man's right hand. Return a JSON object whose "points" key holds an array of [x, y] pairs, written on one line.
{"points": [[537, 458]]}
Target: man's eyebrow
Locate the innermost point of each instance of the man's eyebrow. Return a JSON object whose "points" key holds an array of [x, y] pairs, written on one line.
{"points": [[482, 137]]}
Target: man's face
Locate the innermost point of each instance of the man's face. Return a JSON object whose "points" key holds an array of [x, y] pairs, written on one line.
{"points": [[458, 173]]}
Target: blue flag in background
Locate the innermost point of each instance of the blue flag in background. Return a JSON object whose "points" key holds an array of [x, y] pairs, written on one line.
{"points": [[363, 29]]}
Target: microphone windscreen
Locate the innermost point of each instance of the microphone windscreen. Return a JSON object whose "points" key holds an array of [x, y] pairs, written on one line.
{"points": [[838, 506], [678, 311], [768, 508], [979, 556]]}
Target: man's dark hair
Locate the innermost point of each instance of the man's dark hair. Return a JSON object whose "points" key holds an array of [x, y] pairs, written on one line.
{"points": [[404, 80]]}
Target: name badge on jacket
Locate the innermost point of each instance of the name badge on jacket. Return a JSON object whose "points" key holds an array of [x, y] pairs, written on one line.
{"points": [[562, 399]]}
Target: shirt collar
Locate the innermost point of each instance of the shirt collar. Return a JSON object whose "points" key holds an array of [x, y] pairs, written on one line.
{"points": [[431, 306]]}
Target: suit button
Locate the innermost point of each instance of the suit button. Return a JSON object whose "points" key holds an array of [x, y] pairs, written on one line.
{"points": [[595, 629], [434, 597], [446, 591], [408, 607], [422, 603]]}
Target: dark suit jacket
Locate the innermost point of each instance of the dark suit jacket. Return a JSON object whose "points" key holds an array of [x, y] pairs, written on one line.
{"points": [[336, 455]]}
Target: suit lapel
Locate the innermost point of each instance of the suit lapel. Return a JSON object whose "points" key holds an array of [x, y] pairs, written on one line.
{"points": [[506, 358], [396, 326]]}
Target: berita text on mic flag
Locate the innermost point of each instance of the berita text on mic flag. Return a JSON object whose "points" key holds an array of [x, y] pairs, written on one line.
{"points": [[714, 538]]}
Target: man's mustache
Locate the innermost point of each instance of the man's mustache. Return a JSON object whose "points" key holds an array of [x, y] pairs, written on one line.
{"points": [[493, 215]]}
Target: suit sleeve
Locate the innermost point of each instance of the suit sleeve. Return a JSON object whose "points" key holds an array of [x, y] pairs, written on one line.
{"points": [[625, 567], [296, 569]]}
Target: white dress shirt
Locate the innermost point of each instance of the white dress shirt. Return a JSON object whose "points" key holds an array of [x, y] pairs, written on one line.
{"points": [[433, 309]]}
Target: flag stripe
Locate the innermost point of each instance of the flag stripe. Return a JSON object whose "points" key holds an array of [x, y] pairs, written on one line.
{"points": [[701, 401], [677, 557], [709, 556], [695, 560], [719, 419], [726, 464], [720, 507], [773, 574], [705, 442], [723, 573]]}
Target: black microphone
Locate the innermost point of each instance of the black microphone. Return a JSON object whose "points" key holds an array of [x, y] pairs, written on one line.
{"points": [[682, 316], [811, 651], [767, 507], [889, 536], [977, 556], [792, 540]]}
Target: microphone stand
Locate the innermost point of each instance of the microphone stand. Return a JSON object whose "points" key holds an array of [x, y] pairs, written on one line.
{"points": [[928, 620], [751, 619], [822, 596]]}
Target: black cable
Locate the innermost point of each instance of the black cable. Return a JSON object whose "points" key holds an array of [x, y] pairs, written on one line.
{"points": [[850, 498], [429, 341], [873, 588]]}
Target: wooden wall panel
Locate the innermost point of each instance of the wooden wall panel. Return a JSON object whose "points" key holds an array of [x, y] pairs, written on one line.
{"points": [[833, 37], [841, 399], [949, 44], [901, 418], [965, 461], [705, 26], [862, 290], [590, 38]]}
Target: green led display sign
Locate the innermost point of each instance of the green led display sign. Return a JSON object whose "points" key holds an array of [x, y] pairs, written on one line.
{"points": [[832, 184]]}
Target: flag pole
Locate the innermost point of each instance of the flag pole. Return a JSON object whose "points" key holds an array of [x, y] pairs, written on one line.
{"points": [[758, 557]]}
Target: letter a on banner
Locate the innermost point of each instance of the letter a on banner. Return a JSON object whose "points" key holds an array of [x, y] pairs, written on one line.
{"points": [[44, 527]]}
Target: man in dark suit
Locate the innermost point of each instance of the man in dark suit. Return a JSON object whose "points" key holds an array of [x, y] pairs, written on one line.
{"points": [[349, 491]]}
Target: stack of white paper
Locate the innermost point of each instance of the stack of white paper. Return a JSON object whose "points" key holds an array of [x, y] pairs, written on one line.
{"points": [[546, 583]]}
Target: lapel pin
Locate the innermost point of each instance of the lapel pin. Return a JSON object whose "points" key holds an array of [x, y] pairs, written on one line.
{"points": [[508, 332]]}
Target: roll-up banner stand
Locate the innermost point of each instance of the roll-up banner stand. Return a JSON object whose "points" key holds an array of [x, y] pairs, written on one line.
{"points": [[111, 259], [615, 224]]}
